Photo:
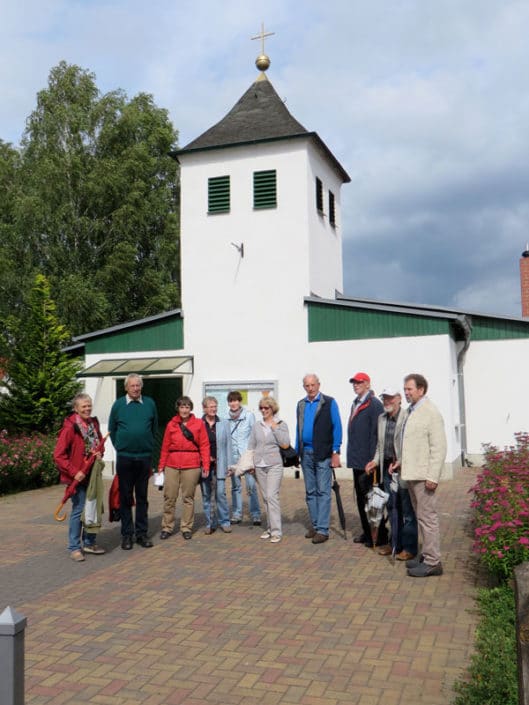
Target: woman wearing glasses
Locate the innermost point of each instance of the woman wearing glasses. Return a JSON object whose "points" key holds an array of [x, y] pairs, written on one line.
{"points": [[267, 436], [185, 455]]}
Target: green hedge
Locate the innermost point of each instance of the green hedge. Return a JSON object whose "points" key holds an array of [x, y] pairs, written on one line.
{"points": [[26, 462], [492, 677]]}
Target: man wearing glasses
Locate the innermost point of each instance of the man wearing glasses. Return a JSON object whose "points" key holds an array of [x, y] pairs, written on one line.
{"points": [[318, 441]]}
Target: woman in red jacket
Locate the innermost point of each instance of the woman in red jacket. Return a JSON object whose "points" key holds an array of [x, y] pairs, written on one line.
{"points": [[74, 455], [185, 455]]}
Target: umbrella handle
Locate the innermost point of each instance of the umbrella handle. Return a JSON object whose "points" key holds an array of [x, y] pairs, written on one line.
{"points": [[56, 514]]}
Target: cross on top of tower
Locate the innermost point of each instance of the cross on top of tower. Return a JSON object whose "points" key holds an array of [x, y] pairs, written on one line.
{"points": [[263, 61]]}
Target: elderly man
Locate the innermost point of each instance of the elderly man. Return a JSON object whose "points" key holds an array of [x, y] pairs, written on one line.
{"points": [[361, 446], [133, 424], [387, 458], [423, 457], [318, 441]]}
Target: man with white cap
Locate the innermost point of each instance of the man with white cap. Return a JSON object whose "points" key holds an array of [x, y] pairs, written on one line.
{"points": [[361, 446], [387, 458]]}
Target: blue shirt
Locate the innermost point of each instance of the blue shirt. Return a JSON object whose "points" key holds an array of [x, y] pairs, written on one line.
{"points": [[308, 423]]}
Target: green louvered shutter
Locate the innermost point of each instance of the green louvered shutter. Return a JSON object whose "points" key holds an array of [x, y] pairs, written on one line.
{"points": [[265, 189], [219, 194]]}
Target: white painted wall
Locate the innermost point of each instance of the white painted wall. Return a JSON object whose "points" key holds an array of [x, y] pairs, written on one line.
{"points": [[496, 392]]}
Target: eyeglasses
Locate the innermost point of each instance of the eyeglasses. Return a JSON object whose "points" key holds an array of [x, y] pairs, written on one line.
{"points": [[262, 408]]}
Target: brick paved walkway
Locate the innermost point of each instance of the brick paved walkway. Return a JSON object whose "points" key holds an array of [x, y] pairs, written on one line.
{"points": [[231, 619]]}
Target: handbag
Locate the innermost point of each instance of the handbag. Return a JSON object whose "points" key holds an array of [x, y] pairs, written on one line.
{"points": [[290, 457]]}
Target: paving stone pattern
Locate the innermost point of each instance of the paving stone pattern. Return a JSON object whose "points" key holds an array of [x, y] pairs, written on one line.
{"points": [[231, 619]]}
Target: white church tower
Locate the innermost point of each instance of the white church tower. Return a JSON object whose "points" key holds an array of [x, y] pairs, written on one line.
{"points": [[260, 230]]}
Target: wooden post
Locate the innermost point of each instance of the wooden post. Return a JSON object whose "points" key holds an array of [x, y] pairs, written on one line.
{"points": [[12, 626], [521, 595]]}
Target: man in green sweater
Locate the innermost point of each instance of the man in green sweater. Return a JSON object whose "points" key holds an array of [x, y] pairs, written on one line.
{"points": [[132, 425]]}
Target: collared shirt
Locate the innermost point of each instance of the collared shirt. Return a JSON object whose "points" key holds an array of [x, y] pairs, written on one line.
{"points": [[129, 399], [311, 407], [389, 437]]}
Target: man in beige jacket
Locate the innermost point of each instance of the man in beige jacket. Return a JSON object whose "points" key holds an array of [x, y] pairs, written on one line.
{"points": [[423, 457]]}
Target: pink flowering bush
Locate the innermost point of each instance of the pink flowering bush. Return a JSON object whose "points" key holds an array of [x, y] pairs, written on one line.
{"points": [[501, 503], [26, 462]]}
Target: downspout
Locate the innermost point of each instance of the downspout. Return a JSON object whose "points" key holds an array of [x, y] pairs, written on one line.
{"points": [[465, 325]]}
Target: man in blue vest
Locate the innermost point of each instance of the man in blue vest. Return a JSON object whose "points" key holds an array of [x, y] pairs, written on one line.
{"points": [[318, 441]]}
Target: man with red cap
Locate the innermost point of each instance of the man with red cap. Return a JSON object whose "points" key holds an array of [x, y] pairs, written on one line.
{"points": [[361, 446]]}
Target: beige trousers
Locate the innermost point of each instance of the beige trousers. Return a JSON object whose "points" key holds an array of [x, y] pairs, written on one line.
{"points": [[425, 505], [176, 480], [269, 481]]}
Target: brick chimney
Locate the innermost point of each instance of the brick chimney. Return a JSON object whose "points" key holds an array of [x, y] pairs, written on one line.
{"points": [[524, 281]]}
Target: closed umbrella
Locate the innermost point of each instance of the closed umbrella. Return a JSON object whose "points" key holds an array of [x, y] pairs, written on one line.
{"points": [[339, 505], [394, 514], [376, 500]]}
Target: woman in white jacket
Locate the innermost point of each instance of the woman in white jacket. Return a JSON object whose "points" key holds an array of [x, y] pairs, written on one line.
{"points": [[267, 437]]}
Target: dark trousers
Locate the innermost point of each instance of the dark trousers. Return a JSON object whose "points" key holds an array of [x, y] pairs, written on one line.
{"points": [[133, 474], [382, 536]]}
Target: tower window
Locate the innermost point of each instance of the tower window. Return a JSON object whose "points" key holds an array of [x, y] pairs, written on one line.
{"points": [[319, 196], [265, 189], [219, 194], [332, 210]]}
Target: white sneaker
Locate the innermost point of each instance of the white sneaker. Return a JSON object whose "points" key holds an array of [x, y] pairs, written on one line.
{"points": [[265, 535], [275, 539]]}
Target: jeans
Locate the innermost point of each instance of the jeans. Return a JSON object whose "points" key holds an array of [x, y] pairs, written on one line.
{"points": [[221, 513], [406, 539], [236, 497], [75, 528], [317, 475], [133, 474]]}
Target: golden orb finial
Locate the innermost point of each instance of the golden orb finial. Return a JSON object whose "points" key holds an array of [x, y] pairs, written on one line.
{"points": [[263, 61]]}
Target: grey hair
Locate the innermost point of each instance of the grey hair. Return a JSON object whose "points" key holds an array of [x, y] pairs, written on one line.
{"points": [[82, 396], [132, 375], [208, 400], [311, 374]]}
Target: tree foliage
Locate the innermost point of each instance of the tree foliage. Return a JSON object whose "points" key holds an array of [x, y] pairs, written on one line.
{"points": [[92, 204], [40, 378]]}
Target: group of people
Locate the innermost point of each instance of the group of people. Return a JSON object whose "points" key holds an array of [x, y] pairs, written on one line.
{"points": [[386, 445]]}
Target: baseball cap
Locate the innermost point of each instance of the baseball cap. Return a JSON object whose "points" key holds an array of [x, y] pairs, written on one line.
{"points": [[389, 392], [360, 377]]}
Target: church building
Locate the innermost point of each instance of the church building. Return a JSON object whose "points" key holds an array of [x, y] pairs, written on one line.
{"points": [[263, 300]]}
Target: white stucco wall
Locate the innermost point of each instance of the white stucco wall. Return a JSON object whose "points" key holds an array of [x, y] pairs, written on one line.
{"points": [[496, 392]]}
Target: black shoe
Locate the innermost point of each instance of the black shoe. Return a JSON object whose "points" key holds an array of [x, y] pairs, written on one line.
{"points": [[126, 543], [236, 521], [360, 539], [165, 535], [144, 541], [186, 535], [257, 522]]}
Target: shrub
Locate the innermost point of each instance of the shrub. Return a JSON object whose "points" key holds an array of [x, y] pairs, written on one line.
{"points": [[492, 674], [501, 503], [26, 462]]}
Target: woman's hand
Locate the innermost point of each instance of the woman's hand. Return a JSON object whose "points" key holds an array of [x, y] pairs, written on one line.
{"points": [[79, 476]]}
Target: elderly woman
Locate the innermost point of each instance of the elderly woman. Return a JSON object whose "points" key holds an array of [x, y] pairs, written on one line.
{"points": [[77, 448], [267, 437], [184, 457]]}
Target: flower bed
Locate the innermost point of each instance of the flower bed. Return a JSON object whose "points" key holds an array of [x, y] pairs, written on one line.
{"points": [[501, 503], [26, 462]]}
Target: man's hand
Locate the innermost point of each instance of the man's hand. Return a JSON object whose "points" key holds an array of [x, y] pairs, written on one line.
{"points": [[370, 467], [335, 460], [393, 467], [432, 486]]}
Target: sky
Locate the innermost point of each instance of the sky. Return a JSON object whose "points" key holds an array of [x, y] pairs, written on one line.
{"points": [[425, 103]]}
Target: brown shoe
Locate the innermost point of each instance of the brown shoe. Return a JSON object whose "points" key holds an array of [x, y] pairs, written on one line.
{"points": [[404, 556], [320, 538], [77, 556], [385, 551], [209, 531], [311, 533]]}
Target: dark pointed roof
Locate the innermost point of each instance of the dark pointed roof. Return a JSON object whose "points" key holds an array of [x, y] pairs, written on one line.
{"points": [[259, 116]]}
